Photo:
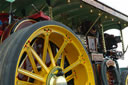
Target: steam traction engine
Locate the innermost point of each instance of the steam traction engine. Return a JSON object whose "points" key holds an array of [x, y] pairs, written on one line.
{"points": [[35, 50]]}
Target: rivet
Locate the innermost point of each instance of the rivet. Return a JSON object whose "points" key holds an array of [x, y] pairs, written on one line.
{"points": [[81, 6], [25, 45], [2, 11], [69, 1], [124, 24], [50, 30], [91, 10], [70, 41], [106, 17], [112, 19], [99, 14], [29, 41], [119, 22]]}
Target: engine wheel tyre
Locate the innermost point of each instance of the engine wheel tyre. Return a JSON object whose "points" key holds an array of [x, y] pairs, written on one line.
{"points": [[110, 75], [45, 53], [124, 78], [17, 26], [22, 24]]}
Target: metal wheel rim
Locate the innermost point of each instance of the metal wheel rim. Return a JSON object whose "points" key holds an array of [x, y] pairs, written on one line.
{"points": [[80, 65]]}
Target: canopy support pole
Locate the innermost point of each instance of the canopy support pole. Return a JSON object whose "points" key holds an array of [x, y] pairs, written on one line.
{"points": [[103, 39], [93, 24], [50, 12], [122, 40]]}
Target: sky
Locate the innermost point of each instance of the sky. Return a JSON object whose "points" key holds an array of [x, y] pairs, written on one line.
{"points": [[120, 5]]}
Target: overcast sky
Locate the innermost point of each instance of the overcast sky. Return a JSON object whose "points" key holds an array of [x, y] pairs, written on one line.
{"points": [[122, 6]]}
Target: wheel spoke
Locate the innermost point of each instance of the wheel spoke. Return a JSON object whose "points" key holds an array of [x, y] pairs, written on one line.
{"points": [[51, 55], [62, 61], [61, 50], [30, 74], [19, 82], [71, 66], [39, 59], [45, 47], [23, 61], [68, 78], [32, 61]]}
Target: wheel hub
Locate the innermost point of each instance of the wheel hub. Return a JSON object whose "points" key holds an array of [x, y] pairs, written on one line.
{"points": [[58, 81], [56, 77]]}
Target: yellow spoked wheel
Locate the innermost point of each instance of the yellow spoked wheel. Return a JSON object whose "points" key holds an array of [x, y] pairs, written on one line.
{"points": [[45, 53], [126, 82], [124, 78]]}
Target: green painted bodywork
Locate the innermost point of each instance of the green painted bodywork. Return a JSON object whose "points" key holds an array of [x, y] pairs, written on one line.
{"points": [[68, 13]]}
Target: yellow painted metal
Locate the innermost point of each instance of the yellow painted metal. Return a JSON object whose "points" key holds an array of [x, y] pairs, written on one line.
{"points": [[61, 50], [39, 59], [69, 47], [126, 82], [72, 66], [19, 82], [30, 74], [51, 55], [70, 77], [32, 61], [45, 46], [62, 61]]}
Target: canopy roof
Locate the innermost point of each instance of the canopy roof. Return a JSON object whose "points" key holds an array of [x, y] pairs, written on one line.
{"points": [[72, 12]]}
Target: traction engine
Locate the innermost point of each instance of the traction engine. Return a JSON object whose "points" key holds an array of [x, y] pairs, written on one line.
{"points": [[36, 50]]}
